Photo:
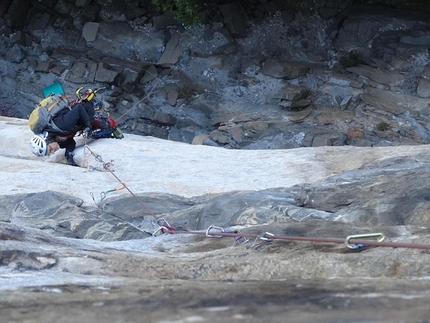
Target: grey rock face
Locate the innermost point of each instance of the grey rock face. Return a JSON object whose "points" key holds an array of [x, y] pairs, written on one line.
{"points": [[377, 87], [60, 215], [90, 30], [302, 79]]}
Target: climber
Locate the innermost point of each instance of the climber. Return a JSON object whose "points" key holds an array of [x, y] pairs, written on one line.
{"points": [[78, 118]]}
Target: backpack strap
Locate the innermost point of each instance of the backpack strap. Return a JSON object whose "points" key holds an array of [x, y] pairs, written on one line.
{"points": [[63, 97], [54, 128]]}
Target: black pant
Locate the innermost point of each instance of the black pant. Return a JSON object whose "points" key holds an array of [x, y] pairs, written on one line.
{"points": [[69, 144], [73, 120]]}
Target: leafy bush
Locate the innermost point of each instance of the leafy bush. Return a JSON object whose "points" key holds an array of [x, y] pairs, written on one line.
{"points": [[186, 92], [383, 126], [186, 11]]}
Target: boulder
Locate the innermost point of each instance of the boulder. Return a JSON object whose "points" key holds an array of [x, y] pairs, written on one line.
{"points": [[82, 72], [234, 19], [105, 74], [15, 54], [39, 21], [423, 88], [165, 20], [283, 69], [149, 75], [90, 30], [172, 52], [379, 75], [394, 103]]}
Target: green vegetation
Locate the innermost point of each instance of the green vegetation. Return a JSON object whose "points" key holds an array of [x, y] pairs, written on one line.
{"points": [[186, 11], [383, 126], [186, 92]]}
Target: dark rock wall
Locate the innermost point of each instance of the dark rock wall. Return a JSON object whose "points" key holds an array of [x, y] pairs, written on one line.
{"points": [[316, 73]]}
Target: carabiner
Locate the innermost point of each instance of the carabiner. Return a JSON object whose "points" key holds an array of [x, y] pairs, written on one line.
{"points": [[208, 234], [264, 237], [162, 220], [78, 93], [381, 238], [120, 188], [241, 240], [264, 234], [160, 228]]}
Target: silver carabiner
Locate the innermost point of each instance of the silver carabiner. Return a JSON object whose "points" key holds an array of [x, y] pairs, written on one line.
{"points": [[241, 240], [160, 222], [160, 228], [208, 234], [264, 236]]}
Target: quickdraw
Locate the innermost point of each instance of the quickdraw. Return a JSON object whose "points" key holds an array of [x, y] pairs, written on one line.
{"points": [[107, 166], [350, 241], [239, 239], [103, 195]]}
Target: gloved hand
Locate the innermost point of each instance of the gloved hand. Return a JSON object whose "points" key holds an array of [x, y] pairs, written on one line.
{"points": [[87, 132]]}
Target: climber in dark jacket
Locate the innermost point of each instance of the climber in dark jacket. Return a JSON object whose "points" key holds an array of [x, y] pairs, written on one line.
{"points": [[78, 118], [70, 121]]}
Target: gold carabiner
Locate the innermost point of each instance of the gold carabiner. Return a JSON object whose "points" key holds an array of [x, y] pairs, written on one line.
{"points": [[381, 238], [78, 93], [120, 188]]}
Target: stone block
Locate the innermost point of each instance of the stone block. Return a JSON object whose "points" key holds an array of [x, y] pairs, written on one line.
{"points": [[172, 52], [42, 67], [90, 31], [284, 69], [172, 97], [150, 74], [128, 76], [292, 93], [219, 136], [163, 119], [57, 68], [39, 21], [17, 38], [423, 89], [234, 19], [105, 74], [199, 139], [15, 54], [165, 20], [82, 72]]}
